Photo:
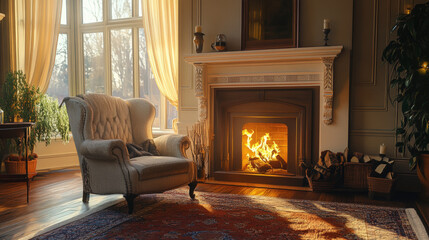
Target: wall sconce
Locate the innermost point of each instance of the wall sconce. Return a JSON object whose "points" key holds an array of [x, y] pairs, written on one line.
{"points": [[2, 15]]}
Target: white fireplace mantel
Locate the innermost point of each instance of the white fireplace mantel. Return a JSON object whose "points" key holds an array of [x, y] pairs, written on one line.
{"points": [[295, 67], [276, 68]]}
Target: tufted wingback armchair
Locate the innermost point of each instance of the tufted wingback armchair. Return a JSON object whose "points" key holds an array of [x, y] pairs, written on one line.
{"points": [[102, 126]]}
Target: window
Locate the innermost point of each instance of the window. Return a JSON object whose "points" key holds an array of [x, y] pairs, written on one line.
{"points": [[102, 49]]}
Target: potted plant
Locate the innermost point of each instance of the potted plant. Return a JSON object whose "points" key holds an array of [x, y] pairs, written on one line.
{"points": [[9, 104], [24, 103], [409, 56], [25, 110]]}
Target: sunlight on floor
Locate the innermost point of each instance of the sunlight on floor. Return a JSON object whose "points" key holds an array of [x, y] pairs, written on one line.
{"points": [[324, 220], [205, 204]]}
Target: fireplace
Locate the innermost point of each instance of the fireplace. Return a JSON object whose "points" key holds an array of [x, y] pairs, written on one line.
{"points": [[283, 98], [263, 134]]}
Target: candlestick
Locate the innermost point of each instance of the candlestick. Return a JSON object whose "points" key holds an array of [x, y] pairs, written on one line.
{"points": [[326, 32], [326, 29]]}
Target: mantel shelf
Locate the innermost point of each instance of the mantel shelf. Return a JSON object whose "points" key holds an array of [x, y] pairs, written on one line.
{"points": [[285, 54]]}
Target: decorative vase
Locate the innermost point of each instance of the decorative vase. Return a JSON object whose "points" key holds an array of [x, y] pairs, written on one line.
{"points": [[220, 44], [423, 174], [199, 41]]}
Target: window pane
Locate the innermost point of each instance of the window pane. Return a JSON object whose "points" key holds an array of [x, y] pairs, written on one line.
{"points": [[148, 88], [59, 84], [92, 11], [171, 114], [121, 8], [140, 8], [64, 12], [122, 63], [93, 60]]}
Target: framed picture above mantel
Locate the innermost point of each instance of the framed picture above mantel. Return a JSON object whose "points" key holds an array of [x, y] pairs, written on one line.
{"points": [[269, 24]]}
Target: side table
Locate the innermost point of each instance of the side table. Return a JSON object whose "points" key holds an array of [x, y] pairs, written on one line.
{"points": [[17, 130]]}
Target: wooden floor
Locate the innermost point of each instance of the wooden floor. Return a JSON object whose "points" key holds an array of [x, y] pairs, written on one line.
{"points": [[56, 197]]}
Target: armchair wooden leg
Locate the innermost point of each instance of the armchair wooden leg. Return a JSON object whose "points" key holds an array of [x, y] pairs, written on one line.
{"points": [[85, 197], [192, 187], [130, 201]]}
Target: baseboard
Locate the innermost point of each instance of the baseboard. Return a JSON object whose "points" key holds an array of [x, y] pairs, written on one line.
{"points": [[55, 161]]}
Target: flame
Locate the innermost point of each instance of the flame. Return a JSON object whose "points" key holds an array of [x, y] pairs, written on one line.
{"points": [[261, 149]]}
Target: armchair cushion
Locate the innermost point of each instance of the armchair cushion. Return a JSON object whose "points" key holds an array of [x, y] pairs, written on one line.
{"points": [[150, 167], [172, 145]]}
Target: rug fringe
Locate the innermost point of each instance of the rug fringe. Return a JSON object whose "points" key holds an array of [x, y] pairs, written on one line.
{"points": [[416, 224]]}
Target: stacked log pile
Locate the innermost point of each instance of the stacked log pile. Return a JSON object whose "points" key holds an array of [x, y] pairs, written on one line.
{"points": [[328, 168]]}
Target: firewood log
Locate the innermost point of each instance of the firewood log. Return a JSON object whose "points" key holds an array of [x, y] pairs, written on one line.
{"points": [[275, 163], [282, 161], [354, 159], [321, 170], [260, 165], [341, 158], [359, 155], [328, 160]]}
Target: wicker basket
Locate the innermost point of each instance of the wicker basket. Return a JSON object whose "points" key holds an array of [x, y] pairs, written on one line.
{"points": [[380, 185], [321, 186], [18, 167], [355, 175]]}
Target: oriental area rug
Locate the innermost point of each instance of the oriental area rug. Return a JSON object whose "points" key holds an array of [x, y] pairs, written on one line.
{"points": [[173, 215]]}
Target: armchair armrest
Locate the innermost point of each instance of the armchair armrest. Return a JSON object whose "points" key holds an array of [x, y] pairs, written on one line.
{"points": [[172, 145], [104, 149]]}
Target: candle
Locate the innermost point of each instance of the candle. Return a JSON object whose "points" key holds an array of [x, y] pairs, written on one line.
{"points": [[326, 24], [198, 28], [382, 149]]}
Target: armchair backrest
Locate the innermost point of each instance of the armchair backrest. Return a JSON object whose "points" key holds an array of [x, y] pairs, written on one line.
{"points": [[99, 116], [108, 118]]}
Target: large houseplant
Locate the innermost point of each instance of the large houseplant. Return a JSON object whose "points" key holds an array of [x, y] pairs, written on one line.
{"points": [[22, 102], [409, 56]]}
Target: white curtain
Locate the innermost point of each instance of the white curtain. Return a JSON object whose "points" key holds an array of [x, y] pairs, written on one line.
{"points": [[160, 21], [35, 25]]}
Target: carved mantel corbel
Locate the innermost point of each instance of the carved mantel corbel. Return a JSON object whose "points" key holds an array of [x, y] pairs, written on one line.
{"points": [[200, 91], [328, 89]]}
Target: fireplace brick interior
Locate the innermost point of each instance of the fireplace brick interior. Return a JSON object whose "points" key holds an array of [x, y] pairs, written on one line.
{"points": [[264, 148]]}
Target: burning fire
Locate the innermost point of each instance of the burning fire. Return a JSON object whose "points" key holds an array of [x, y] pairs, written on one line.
{"points": [[261, 149]]}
